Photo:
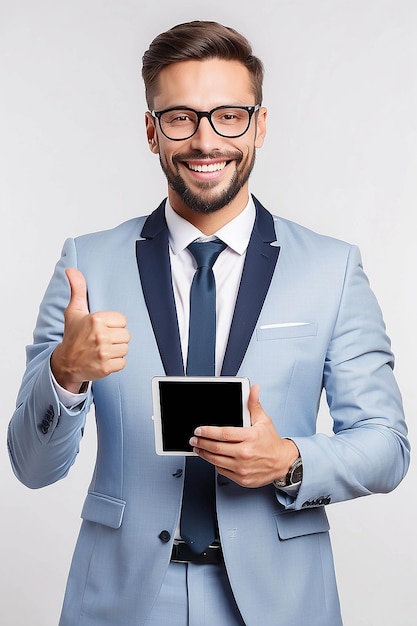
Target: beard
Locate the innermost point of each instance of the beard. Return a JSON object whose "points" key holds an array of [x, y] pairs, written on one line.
{"points": [[203, 201]]}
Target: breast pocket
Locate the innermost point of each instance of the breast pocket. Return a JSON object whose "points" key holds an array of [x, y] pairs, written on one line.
{"points": [[286, 330]]}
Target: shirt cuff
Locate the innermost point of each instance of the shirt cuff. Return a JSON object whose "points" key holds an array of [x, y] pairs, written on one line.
{"points": [[291, 490], [68, 399]]}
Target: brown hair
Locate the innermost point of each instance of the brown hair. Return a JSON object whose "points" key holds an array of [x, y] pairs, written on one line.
{"points": [[198, 40]]}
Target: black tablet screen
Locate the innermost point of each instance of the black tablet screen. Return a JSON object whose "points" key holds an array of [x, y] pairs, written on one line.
{"points": [[186, 405]]}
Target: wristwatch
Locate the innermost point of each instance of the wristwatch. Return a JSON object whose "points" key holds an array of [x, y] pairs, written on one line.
{"points": [[294, 476]]}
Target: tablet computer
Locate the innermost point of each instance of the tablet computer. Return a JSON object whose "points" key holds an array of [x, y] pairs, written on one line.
{"points": [[181, 403]]}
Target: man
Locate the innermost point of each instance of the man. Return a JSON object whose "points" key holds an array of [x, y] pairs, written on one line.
{"points": [[295, 314]]}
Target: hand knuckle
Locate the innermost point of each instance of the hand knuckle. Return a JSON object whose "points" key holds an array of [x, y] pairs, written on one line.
{"points": [[102, 353], [245, 453], [225, 434]]}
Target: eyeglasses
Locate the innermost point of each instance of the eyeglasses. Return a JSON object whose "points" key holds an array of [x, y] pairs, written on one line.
{"points": [[182, 123]]}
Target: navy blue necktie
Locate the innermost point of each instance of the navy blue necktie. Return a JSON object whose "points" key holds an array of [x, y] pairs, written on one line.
{"points": [[198, 521]]}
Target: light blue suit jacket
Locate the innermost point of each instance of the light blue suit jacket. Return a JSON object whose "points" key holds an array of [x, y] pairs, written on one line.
{"points": [[305, 319]]}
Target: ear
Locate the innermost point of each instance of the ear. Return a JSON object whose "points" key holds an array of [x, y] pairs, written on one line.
{"points": [[151, 133], [260, 127]]}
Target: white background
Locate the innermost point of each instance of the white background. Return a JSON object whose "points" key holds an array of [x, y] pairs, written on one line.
{"points": [[340, 157]]}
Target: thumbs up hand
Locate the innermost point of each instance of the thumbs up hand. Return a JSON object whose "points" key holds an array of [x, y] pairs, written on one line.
{"points": [[94, 344]]}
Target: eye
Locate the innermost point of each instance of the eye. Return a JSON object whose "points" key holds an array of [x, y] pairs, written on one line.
{"points": [[177, 118], [181, 118], [230, 116]]}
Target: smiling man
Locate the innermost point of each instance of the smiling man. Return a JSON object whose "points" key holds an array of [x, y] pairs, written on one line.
{"points": [[207, 158], [210, 283]]}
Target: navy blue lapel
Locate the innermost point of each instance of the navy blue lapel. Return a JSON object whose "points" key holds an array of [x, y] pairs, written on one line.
{"points": [[152, 253], [258, 269]]}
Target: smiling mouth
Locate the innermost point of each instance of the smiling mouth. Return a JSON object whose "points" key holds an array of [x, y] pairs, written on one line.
{"points": [[207, 167]]}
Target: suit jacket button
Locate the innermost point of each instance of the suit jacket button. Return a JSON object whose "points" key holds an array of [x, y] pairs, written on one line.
{"points": [[164, 536]]}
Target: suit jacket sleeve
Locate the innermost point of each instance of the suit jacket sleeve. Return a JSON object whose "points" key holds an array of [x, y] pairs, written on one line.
{"points": [[40, 452], [369, 452]]}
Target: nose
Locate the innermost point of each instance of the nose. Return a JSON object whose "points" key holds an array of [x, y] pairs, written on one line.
{"points": [[205, 139]]}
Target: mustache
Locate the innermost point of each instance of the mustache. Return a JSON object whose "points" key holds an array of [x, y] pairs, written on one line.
{"points": [[231, 155]]}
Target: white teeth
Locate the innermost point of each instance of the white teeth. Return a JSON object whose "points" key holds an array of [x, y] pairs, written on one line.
{"points": [[210, 167]]}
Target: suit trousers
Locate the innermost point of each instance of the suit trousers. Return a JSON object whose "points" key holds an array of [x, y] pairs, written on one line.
{"points": [[195, 595]]}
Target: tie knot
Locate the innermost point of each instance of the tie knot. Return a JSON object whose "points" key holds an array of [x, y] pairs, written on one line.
{"points": [[206, 252]]}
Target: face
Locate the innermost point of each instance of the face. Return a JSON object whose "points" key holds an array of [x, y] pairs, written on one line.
{"points": [[207, 172]]}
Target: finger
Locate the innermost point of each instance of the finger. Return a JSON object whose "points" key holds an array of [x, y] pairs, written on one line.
{"points": [[117, 350], [212, 446], [223, 461], [78, 286], [112, 321], [110, 366], [233, 434], [117, 320], [109, 319], [119, 336], [118, 364]]}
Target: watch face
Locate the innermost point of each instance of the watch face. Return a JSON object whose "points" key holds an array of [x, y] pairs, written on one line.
{"points": [[297, 473]]}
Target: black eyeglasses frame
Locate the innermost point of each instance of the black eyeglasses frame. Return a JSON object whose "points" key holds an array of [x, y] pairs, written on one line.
{"points": [[200, 114]]}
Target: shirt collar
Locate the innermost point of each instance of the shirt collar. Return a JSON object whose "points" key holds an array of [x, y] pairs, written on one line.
{"points": [[235, 234]]}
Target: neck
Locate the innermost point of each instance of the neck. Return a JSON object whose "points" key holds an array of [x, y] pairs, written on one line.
{"points": [[210, 223]]}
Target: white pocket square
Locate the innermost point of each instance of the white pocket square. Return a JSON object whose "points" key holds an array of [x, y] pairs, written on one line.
{"points": [[284, 325], [286, 330]]}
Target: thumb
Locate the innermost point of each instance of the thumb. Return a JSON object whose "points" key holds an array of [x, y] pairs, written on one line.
{"points": [[78, 286], [255, 409]]}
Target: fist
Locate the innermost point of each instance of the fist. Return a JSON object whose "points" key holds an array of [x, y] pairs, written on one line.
{"points": [[93, 345]]}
